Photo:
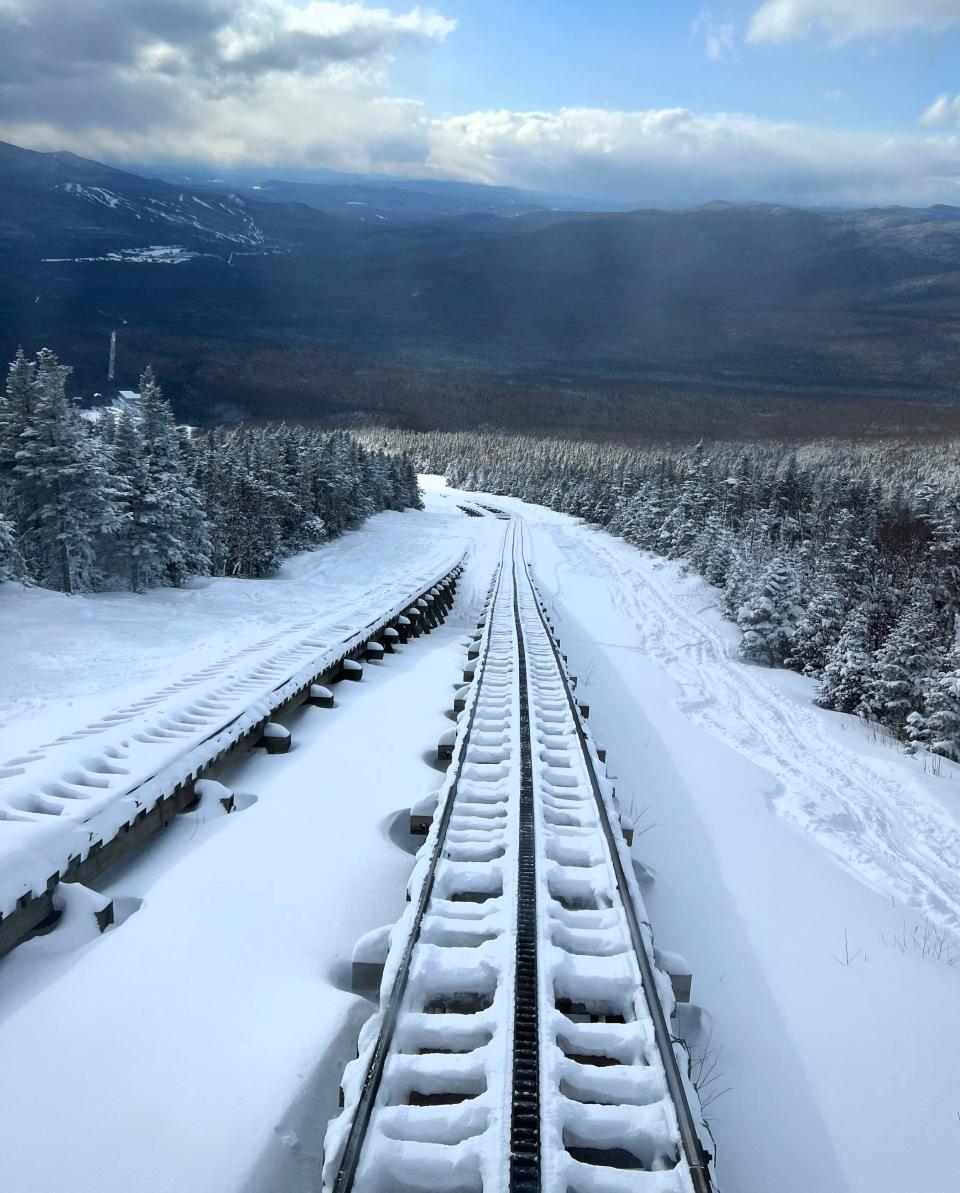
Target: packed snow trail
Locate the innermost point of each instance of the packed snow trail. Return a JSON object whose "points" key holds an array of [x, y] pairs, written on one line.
{"points": [[882, 829], [521, 1043]]}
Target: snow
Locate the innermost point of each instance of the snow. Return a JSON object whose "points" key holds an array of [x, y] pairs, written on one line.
{"points": [[155, 254], [467, 951], [190, 1028], [96, 194], [787, 853], [76, 761]]}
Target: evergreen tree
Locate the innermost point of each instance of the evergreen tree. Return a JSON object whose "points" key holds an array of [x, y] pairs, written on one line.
{"points": [[16, 407], [768, 618], [895, 685], [137, 512], [937, 724], [179, 544], [11, 563], [818, 627], [847, 670], [63, 481]]}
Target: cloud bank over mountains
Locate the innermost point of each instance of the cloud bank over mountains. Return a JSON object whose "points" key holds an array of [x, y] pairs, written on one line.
{"points": [[274, 83]]}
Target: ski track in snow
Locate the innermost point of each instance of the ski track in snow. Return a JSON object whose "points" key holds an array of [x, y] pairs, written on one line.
{"points": [[885, 830]]}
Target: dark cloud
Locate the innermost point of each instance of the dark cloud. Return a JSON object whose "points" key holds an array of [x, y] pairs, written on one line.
{"points": [[40, 38], [126, 50]]}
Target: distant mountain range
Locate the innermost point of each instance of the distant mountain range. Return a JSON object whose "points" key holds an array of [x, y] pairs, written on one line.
{"points": [[336, 296]]}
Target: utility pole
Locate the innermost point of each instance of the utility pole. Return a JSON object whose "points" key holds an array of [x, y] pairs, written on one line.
{"points": [[113, 355]]}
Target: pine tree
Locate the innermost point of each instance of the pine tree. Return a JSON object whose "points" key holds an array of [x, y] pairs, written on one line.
{"points": [[847, 670], [939, 726], [768, 618], [937, 723], [63, 483], [11, 563], [16, 407], [895, 685], [818, 627], [180, 543], [688, 517], [139, 512]]}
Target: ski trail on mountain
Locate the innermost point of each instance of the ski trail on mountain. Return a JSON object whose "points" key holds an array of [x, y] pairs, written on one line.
{"points": [[873, 819]]}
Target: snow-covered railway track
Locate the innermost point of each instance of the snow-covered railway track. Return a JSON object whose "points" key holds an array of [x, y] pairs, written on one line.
{"points": [[74, 824], [521, 1042]]}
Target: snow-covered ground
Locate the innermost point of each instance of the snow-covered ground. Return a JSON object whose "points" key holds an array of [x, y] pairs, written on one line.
{"points": [[60, 794], [796, 860], [790, 854]]}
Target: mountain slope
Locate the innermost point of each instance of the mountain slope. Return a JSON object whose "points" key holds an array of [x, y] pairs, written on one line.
{"points": [[277, 307]]}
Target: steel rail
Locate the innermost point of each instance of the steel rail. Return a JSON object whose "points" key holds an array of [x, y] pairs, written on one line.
{"points": [[694, 1153], [523, 1162], [353, 1147]]}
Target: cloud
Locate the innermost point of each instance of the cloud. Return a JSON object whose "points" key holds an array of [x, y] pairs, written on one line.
{"points": [[104, 68], [674, 155], [945, 109], [664, 156], [717, 39], [273, 84], [842, 21]]}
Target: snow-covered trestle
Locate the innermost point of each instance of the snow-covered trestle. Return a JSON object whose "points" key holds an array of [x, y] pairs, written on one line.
{"points": [[523, 1038], [71, 810]]}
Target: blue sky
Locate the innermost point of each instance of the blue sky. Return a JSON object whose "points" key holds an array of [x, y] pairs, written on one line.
{"points": [[546, 54], [805, 101]]}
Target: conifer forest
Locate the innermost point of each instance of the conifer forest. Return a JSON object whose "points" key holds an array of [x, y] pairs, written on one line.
{"points": [[837, 560], [127, 498]]}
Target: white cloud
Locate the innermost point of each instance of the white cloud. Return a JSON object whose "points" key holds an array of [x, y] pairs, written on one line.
{"points": [[945, 109], [718, 39], [846, 20], [670, 155], [274, 84], [665, 156]]}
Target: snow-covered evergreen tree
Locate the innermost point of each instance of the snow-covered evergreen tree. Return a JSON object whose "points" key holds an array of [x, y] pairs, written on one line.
{"points": [[63, 484], [128, 497], [899, 672], [11, 563], [847, 671], [818, 627], [768, 617], [180, 542], [937, 723]]}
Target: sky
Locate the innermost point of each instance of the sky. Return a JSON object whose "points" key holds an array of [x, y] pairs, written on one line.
{"points": [[813, 102]]}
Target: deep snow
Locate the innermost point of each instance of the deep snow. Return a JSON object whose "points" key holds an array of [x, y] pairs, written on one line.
{"points": [[790, 855], [62, 795], [785, 853]]}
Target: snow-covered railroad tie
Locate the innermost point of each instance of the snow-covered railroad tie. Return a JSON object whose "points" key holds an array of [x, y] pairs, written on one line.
{"points": [[523, 1040]]}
